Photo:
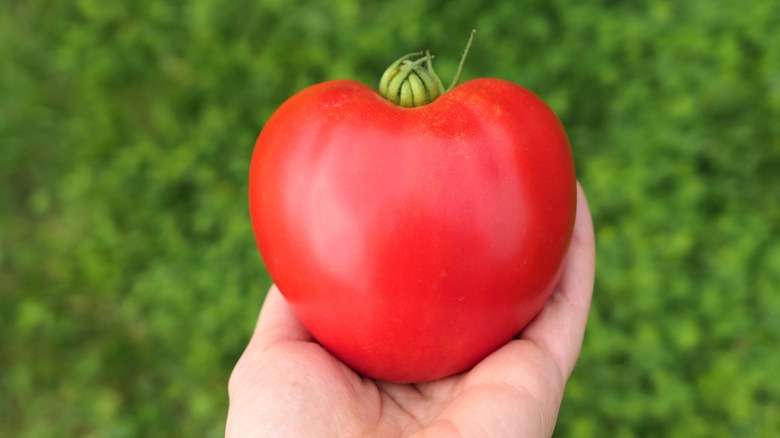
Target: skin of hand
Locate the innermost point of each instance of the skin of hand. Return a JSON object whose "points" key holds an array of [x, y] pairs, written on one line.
{"points": [[287, 385]]}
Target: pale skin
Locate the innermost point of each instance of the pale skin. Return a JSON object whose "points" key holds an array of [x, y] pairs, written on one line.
{"points": [[287, 385]]}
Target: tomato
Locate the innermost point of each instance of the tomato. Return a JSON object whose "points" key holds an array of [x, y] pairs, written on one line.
{"points": [[413, 242]]}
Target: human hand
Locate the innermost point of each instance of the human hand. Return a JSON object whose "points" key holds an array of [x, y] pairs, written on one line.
{"points": [[285, 384]]}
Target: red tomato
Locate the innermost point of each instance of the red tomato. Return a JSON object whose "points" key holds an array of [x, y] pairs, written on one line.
{"points": [[413, 242]]}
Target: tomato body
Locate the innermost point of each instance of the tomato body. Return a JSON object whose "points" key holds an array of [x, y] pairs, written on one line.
{"points": [[413, 242]]}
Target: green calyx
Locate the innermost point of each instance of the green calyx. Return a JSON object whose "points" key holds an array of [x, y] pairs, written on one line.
{"points": [[411, 81]]}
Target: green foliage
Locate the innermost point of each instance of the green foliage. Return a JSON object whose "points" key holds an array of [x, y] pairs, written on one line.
{"points": [[129, 278]]}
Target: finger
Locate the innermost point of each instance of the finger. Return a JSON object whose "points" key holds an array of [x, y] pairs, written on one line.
{"points": [[277, 322], [580, 267], [560, 327]]}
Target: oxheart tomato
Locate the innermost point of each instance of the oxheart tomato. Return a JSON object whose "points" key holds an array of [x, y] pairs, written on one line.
{"points": [[413, 242]]}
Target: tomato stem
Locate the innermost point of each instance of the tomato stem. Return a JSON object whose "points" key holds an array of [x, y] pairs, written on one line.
{"points": [[411, 81], [462, 60]]}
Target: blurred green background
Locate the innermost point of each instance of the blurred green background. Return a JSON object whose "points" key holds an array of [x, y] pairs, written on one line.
{"points": [[129, 277]]}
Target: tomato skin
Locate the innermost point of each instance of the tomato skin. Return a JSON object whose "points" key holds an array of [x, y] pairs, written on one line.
{"points": [[413, 242]]}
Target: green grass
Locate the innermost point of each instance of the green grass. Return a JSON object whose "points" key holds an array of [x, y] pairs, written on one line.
{"points": [[129, 277]]}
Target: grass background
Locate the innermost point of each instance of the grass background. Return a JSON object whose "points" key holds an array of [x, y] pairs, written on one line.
{"points": [[129, 278]]}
